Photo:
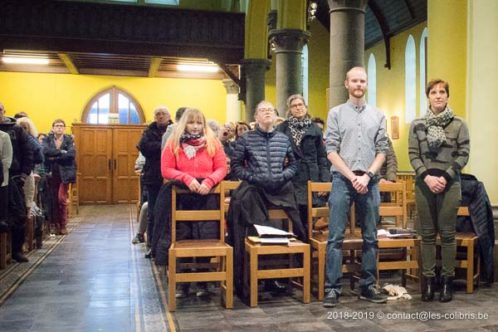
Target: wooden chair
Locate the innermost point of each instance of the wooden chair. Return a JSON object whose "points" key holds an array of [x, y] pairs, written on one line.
{"points": [[74, 197], [409, 179], [255, 251], [5, 250], [318, 239], [29, 239], [397, 207], [471, 261], [200, 248], [397, 253]]}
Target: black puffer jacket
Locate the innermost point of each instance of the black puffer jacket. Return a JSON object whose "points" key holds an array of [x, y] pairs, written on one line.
{"points": [[150, 147], [64, 157], [311, 157], [481, 222], [260, 158], [22, 152]]}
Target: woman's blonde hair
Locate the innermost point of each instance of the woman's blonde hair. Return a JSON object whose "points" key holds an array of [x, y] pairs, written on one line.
{"points": [[193, 114], [25, 122]]}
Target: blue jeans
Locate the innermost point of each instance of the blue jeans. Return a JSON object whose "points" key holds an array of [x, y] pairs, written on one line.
{"points": [[367, 211]]}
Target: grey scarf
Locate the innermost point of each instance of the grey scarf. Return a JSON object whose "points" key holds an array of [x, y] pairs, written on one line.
{"points": [[298, 128], [435, 127]]}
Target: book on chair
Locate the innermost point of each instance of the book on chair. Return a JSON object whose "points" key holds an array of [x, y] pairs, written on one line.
{"points": [[271, 235]]}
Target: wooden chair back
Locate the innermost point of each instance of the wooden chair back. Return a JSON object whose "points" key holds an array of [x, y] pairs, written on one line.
{"points": [[197, 215], [397, 207], [220, 252]]}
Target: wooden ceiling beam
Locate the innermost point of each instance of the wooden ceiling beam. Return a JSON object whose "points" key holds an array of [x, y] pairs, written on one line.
{"points": [[384, 27], [68, 62], [155, 64]]}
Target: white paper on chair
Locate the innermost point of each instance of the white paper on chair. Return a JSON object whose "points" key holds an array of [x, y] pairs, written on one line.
{"points": [[269, 240], [268, 231], [384, 233]]}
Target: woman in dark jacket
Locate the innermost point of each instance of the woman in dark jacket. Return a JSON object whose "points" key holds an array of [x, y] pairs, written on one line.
{"points": [[438, 147], [308, 147], [60, 154]]}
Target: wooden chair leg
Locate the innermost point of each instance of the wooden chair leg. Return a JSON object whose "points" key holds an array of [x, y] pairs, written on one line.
{"points": [[321, 272], [306, 278], [229, 281], [171, 281], [470, 268], [253, 278]]}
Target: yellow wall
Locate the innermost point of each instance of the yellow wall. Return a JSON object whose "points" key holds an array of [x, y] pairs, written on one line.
{"points": [[391, 87], [447, 48], [482, 87], [46, 97]]}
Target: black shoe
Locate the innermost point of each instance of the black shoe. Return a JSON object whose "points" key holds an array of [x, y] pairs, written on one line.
{"points": [[331, 299], [275, 286], [148, 254], [202, 290], [19, 257], [428, 287], [182, 291], [373, 295], [139, 238], [446, 294]]}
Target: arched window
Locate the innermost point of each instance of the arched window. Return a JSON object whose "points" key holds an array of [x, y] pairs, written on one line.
{"points": [[423, 71], [372, 80], [304, 63], [113, 106], [410, 80]]}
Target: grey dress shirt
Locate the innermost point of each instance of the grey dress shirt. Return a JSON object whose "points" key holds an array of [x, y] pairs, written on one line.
{"points": [[357, 134]]}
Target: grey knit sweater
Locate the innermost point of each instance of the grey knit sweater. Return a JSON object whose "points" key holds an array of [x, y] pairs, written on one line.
{"points": [[452, 155]]}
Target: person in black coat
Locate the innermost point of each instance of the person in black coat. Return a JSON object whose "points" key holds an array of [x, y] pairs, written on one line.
{"points": [[60, 154], [150, 147], [308, 147], [22, 164], [264, 161]]}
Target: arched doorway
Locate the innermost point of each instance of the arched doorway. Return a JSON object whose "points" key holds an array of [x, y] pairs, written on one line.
{"points": [[106, 143]]}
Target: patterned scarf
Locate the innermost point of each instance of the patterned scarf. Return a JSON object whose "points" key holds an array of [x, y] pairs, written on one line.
{"points": [[191, 143], [298, 127], [435, 127]]}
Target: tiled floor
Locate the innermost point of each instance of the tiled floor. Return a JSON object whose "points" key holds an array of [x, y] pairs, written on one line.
{"points": [[96, 280]]}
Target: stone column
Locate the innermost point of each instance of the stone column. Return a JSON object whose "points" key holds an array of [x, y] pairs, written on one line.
{"points": [[232, 101], [347, 44], [288, 48], [254, 73]]}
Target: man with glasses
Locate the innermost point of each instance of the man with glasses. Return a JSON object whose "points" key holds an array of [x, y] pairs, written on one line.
{"points": [[264, 161], [60, 154]]}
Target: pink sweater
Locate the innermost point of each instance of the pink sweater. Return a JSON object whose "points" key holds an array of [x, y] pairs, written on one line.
{"points": [[212, 169]]}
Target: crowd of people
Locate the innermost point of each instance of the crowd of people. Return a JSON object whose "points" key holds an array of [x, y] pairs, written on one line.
{"points": [[274, 159], [30, 159]]}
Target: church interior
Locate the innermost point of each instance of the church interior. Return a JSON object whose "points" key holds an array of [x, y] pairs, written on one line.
{"points": [[104, 66]]}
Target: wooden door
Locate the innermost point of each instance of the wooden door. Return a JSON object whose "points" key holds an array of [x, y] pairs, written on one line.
{"points": [[94, 161], [124, 181], [106, 158]]}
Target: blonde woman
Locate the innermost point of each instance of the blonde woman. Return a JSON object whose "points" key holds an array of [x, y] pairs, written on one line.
{"points": [[195, 157]]}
